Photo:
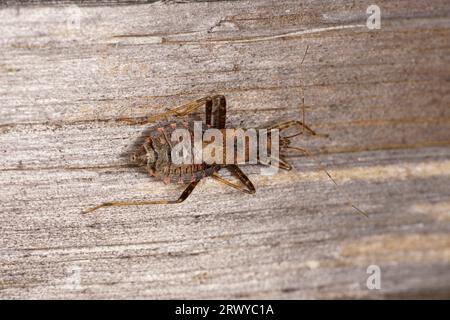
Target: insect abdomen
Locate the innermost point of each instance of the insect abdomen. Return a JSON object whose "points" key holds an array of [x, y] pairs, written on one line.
{"points": [[168, 171]]}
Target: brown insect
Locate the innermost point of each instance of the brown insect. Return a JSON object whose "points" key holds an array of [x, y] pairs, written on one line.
{"points": [[155, 153]]}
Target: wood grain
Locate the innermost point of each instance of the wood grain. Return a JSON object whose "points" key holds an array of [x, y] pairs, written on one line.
{"points": [[383, 97]]}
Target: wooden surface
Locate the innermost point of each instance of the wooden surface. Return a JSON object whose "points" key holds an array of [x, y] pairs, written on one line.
{"points": [[383, 96]]}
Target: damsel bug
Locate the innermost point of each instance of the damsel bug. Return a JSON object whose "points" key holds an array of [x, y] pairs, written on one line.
{"points": [[156, 155], [156, 152]]}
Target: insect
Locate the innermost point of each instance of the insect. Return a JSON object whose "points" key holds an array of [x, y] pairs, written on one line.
{"points": [[155, 153]]}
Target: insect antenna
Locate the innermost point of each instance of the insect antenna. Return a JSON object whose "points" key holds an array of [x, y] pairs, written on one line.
{"points": [[322, 167]]}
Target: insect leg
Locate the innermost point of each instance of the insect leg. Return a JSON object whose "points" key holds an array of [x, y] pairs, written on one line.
{"points": [[242, 176], [190, 107], [182, 197], [249, 188], [282, 163], [302, 124], [291, 123], [214, 106], [208, 112], [183, 110], [220, 111]]}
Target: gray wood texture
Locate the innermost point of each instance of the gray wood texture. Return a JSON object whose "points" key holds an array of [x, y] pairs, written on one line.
{"points": [[383, 97]]}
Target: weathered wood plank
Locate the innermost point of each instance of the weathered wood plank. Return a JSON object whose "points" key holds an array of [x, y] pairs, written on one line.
{"points": [[383, 97]]}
